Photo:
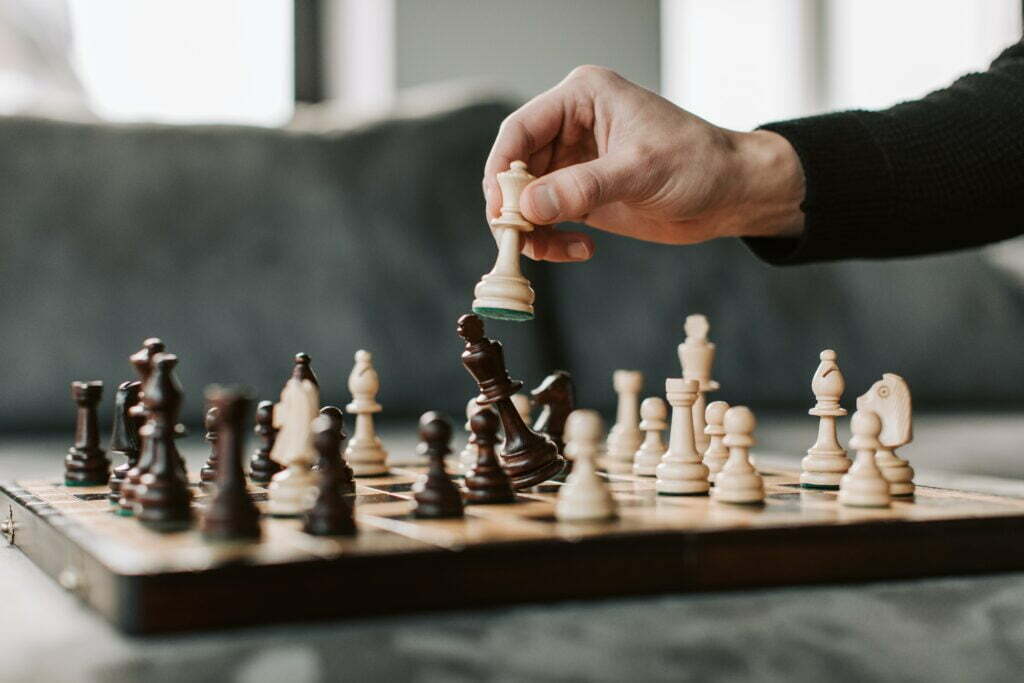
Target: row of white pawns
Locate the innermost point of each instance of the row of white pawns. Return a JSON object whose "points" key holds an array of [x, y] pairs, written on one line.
{"points": [[722, 468]]}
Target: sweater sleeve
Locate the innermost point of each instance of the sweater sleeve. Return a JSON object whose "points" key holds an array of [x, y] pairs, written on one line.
{"points": [[941, 173]]}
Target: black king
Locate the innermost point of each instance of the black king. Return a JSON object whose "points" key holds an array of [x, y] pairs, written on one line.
{"points": [[529, 458]]}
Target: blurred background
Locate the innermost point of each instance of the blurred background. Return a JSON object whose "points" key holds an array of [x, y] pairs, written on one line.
{"points": [[249, 180]]}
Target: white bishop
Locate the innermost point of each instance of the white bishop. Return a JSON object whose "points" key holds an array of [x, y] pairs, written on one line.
{"points": [[365, 454]]}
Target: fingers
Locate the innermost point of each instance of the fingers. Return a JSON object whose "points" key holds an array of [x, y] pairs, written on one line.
{"points": [[546, 244], [572, 192], [527, 131]]}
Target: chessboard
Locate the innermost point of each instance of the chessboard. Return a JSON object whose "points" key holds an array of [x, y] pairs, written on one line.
{"points": [[146, 582]]}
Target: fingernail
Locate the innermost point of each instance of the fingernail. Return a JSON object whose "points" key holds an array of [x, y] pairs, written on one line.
{"points": [[545, 203], [578, 251]]}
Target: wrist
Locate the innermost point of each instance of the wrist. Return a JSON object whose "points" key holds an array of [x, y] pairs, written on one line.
{"points": [[770, 186]]}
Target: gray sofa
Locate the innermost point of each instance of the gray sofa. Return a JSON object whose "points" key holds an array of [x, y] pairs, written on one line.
{"points": [[242, 246]]}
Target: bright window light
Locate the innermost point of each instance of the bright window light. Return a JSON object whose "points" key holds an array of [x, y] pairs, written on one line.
{"points": [[187, 61], [882, 52], [740, 63]]}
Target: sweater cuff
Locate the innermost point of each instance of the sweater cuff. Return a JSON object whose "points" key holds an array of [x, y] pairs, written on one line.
{"points": [[849, 190]]}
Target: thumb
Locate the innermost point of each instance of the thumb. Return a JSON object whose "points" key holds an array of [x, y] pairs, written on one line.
{"points": [[572, 192]]}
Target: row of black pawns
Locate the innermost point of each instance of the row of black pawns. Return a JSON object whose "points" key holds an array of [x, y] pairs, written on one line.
{"points": [[152, 483]]}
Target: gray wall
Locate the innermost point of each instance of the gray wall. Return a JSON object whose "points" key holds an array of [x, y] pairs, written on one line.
{"points": [[525, 46]]}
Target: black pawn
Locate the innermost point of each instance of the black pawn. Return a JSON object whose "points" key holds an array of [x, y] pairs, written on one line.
{"points": [[162, 498], [209, 471], [124, 439], [346, 477], [142, 361], [435, 493], [302, 369], [86, 463], [231, 515], [262, 467], [487, 481], [331, 513]]}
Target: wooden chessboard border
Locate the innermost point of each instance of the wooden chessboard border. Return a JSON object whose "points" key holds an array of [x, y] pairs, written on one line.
{"points": [[511, 571]]}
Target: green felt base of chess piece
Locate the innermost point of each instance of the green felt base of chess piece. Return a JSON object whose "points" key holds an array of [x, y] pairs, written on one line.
{"points": [[86, 482], [820, 487], [502, 314]]}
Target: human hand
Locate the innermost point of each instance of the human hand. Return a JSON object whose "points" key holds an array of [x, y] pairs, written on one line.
{"points": [[622, 159]]}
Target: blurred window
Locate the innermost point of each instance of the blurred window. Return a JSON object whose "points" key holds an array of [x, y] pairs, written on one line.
{"points": [[187, 61], [740, 63]]}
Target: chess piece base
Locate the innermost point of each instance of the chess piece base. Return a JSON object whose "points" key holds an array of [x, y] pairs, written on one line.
{"points": [[525, 480], [117, 478], [488, 485], [821, 469], [646, 465], [502, 313], [291, 492], [262, 471], [504, 297], [590, 510], [714, 465], [682, 478], [896, 471], [613, 466], [746, 488], [870, 494], [86, 468], [338, 524], [164, 507], [367, 459], [467, 458], [820, 480], [215, 529], [682, 488]]}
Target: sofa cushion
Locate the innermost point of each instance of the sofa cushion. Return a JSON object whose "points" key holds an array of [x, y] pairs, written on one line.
{"points": [[240, 247]]}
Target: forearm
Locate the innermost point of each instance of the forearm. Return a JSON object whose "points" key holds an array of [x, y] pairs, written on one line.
{"points": [[940, 173]]}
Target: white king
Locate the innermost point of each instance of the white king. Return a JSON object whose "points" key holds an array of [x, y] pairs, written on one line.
{"points": [[504, 293], [697, 355]]}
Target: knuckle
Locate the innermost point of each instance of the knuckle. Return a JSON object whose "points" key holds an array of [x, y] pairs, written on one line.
{"points": [[513, 129], [593, 73], [507, 121], [639, 156]]}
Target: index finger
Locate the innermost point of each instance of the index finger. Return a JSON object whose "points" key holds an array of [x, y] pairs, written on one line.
{"points": [[524, 132]]}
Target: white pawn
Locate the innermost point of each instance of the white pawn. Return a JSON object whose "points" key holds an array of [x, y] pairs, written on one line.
{"points": [[365, 454], [653, 412], [468, 456], [717, 454], [739, 482], [864, 485], [826, 460], [291, 490], [681, 473], [585, 496], [625, 436]]}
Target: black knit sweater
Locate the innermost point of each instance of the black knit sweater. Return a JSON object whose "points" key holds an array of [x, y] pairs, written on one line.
{"points": [[940, 173]]}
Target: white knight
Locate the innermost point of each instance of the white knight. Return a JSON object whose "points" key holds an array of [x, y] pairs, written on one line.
{"points": [[889, 398]]}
